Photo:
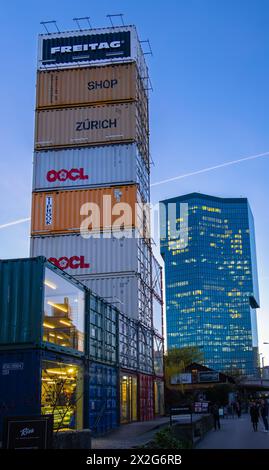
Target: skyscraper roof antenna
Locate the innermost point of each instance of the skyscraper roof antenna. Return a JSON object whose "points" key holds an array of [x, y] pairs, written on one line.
{"points": [[83, 18], [117, 15], [45, 26]]}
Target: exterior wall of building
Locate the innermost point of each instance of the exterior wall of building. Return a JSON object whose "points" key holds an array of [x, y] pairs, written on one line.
{"points": [[92, 145], [210, 280]]}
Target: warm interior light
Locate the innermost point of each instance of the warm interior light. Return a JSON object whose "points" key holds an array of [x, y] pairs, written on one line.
{"points": [[65, 322], [50, 284], [70, 370], [48, 325], [57, 372], [59, 307], [59, 337]]}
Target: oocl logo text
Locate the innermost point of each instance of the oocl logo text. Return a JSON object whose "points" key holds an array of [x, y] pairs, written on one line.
{"points": [[74, 262], [63, 175]]}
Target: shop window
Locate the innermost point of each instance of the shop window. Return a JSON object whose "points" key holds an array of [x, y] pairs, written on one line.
{"points": [[62, 394], [64, 311]]}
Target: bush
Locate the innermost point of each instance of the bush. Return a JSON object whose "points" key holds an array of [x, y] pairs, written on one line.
{"points": [[165, 439]]}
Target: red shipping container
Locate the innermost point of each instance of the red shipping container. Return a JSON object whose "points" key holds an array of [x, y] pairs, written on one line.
{"points": [[145, 397]]}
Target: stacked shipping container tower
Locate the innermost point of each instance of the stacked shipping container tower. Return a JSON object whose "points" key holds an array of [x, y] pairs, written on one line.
{"points": [[91, 184]]}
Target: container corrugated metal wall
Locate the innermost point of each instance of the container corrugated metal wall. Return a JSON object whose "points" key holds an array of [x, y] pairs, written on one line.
{"points": [[102, 326], [128, 342], [128, 293], [103, 397], [93, 166], [145, 350], [20, 384], [146, 397], [59, 211], [79, 256], [89, 85], [158, 348], [21, 308], [90, 126]]}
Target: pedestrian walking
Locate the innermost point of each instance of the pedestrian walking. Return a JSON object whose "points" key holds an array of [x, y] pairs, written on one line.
{"points": [[238, 409], [215, 413], [254, 414], [264, 414]]}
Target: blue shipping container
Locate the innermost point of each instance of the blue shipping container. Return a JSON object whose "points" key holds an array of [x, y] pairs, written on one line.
{"points": [[103, 396], [21, 384]]}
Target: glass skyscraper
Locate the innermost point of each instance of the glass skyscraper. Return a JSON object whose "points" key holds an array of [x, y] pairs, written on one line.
{"points": [[211, 284]]}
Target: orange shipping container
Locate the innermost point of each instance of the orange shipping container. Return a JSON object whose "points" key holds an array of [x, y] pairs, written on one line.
{"points": [[90, 85], [91, 126], [60, 211]]}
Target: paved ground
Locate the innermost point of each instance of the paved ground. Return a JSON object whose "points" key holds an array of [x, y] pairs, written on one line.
{"points": [[236, 434], [131, 435]]}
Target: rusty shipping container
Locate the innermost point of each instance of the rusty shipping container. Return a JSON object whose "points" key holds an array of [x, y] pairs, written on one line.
{"points": [[62, 212], [63, 128], [104, 255], [90, 85], [89, 167]]}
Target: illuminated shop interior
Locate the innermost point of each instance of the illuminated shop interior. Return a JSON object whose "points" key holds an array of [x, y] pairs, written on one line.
{"points": [[64, 305], [62, 394], [128, 398]]}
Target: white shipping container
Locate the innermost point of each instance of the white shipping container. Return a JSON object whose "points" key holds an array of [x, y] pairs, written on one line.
{"points": [[127, 292], [79, 256], [90, 167]]}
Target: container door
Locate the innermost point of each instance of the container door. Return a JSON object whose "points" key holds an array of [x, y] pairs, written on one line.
{"points": [[128, 398]]}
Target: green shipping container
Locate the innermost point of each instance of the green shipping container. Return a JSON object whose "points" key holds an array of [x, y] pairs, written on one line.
{"points": [[41, 306]]}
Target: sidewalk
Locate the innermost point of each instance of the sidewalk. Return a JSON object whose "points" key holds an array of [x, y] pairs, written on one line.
{"points": [[128, 436], [236, 434]]}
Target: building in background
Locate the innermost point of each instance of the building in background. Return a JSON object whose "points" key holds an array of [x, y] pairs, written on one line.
{"points": [[211, 279], [92, 146]]}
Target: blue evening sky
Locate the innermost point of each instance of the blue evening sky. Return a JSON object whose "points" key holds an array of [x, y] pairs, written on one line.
{"points": [[209, 105]]}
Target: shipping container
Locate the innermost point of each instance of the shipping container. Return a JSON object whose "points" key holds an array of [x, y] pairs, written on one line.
{"points": [[129, 293], [157, 308], [128, 342], [158, 352], [128, 396], [78, 127], [38, 376], [86, 167], [146, 397], [60, 211], [102, 397], [100, 46], [157, 285], [90, 85], [41, 307], [102, 326], [135, 345], [90, 256], [145, 350]]}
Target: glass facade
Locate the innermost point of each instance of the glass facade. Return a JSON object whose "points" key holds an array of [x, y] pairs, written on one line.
{"points": [[64, 312], [128, 398], [62, 394], [211, 279]]}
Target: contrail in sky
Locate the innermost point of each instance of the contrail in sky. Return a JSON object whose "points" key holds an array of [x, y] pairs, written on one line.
{"points": [[168, 180], [15, 222], [210, 168]]}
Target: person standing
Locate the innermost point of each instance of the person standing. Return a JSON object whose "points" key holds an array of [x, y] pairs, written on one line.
{"points": [[238, 408], [264, 414], [215, 413], [254, 414]]}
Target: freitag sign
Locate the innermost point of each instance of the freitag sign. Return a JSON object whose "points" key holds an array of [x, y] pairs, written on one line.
{"points": [[63, 49]]}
